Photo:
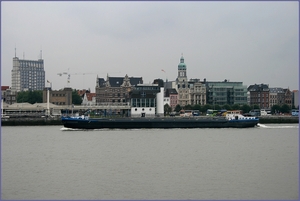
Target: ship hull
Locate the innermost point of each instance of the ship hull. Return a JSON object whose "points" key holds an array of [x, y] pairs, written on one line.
{"points": [[138, 123]]}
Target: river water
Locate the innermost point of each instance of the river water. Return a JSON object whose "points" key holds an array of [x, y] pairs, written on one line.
{"points": [[49, 162]]}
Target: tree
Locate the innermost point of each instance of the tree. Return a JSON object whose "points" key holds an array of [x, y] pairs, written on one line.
{"points": [[177, 108], [30, 97], [227, 107], [197, 107], [275, 109], [285, 108], [187, 107], [205, 108], [235, 107], [76, 99], [256, 107], [167, 109], [245, 108]]}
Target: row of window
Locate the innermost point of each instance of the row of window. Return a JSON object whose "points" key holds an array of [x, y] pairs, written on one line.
{"points": [[58, 95], [145, 102]]}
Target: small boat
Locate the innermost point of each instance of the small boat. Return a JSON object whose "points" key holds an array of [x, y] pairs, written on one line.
{"points": [[229, 121]]}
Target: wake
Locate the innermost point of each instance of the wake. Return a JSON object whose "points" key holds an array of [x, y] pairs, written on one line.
{"points": [[277, 126]]}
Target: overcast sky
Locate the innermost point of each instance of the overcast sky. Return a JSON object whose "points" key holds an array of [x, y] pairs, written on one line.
{"points": [[249, 42]]}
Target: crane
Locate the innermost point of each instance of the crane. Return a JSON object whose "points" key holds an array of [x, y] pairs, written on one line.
{"points": [[69, 75]]}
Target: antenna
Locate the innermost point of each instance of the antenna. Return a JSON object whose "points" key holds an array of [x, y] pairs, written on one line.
{"points": [[23, 55], [41, 57], [15, 51]]}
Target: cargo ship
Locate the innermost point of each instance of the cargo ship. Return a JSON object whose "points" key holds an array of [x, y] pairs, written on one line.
{"points": [[229, 121]]}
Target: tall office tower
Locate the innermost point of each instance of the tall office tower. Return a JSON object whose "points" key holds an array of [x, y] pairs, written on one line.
{"points": [[27, 74]]}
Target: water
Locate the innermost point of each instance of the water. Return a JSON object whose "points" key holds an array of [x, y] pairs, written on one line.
{"points": [[48, 162]]}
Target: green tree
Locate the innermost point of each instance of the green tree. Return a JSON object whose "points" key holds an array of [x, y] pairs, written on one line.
{"points": [[188, 107], [285, 108], [177, 108], [196, 107], [76, 99], [217, 107], [245, 108], [205, 108], [235, 107], [227, 107], [167, 109], [256, 107], [30, 97], [275, 109]]}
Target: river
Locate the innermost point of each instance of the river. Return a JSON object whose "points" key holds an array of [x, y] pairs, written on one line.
{"points": [[49, 162]]}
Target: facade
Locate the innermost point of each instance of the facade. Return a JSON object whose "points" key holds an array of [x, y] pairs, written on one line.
{"points": [[295, 98], [259, 95], [197, 92], [173, 97], [222, 93], [8, 96], [61, 97], [288, 97], [27, 75], [146, 100], [115, 89]]}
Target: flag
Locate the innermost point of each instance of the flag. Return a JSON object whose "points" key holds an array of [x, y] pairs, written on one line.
{"points": [[163, 70], [48, 81]]}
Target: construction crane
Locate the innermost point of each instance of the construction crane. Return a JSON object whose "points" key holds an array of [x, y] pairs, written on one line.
{"points": [[69, 75]]}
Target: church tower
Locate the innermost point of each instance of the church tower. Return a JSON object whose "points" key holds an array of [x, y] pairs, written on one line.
{"points": [[182, 70], [182, 84]]}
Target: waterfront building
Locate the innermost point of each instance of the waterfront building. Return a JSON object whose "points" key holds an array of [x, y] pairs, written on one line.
{"points": [[8, 96], [89, 99], [295, 98], [146, 100], [225, 92], [259, 95], [58, 97], [27, 75], [115, 89], [197, 92], [173, 97], [288, 97]]}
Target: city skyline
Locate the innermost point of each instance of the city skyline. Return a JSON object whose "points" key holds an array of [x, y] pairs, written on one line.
{"points": [[249, 42]]}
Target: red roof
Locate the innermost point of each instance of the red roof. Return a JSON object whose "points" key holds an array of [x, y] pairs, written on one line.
{"points": [[90, 96], [3, 88]]}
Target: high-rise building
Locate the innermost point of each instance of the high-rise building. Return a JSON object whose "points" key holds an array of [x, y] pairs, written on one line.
{"points": [[27, 74]]}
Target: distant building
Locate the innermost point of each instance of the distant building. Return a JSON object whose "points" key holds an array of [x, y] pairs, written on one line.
{"points": [[288, 97], [222, 93], [277, 96], [295, 98], [259, 95], [146, 100], [173, 97], [60, 97], [9, 96], [182, 84], [89, 99], [115, 89], [197, 92], [27, 75]]}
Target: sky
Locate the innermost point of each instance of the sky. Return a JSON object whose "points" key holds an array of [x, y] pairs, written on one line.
{"points": [[250, 42]]}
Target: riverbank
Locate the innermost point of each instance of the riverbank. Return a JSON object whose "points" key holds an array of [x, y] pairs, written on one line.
{"points": [[57, 121]]}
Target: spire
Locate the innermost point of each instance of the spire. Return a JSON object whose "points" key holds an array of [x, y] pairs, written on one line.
{"points": [[15, 51]]}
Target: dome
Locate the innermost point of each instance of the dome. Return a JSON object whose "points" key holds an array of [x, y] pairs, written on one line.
{"points": [[181, 65]]}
